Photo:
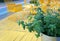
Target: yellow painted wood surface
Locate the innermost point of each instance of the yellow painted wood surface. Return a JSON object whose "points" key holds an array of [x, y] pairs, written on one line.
{"points": [[10, 31]]}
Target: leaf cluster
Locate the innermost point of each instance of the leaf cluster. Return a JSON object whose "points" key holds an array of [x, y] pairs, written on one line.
{"points": [[46, 23]]}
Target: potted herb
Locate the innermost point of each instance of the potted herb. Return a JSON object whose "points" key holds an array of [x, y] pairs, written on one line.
{"points": [[46, 23]]}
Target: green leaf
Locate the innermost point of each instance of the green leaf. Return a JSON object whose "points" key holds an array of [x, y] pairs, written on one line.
{"points": [[37, 35], [22, 22], [23, 26], [52, 27], [19, 22]]}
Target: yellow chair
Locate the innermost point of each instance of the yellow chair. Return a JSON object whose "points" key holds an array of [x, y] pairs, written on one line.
{"points": [[18, 7], [11, 7], [14, 8]]}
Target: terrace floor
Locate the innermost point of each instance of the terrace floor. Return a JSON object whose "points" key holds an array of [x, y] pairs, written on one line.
{"points": [[10, 31]]}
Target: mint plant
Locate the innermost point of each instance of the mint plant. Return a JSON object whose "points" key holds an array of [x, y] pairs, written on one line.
{"points": [[46, 23]]}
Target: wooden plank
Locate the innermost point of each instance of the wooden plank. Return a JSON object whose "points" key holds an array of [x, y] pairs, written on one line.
{"points": [[21, 36], [12, 32]]}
